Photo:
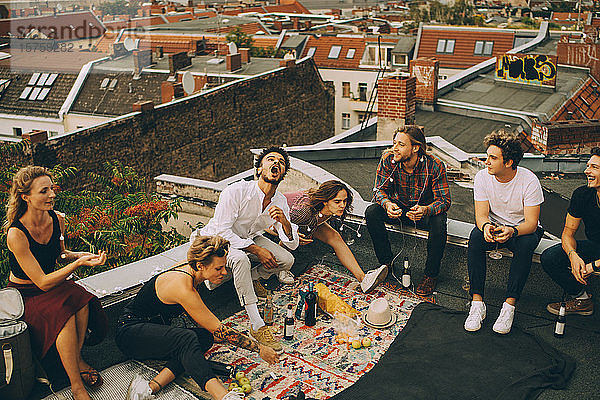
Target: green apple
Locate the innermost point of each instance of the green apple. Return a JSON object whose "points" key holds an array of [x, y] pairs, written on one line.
{"points": [[243, 381], [356, 344], [246, 388], [233, 385], [366, 342], [239, 375], [239, 390]]}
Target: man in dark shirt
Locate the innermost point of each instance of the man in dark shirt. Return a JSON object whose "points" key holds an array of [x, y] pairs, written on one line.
{"points": [[571, 263], [411, 186]]}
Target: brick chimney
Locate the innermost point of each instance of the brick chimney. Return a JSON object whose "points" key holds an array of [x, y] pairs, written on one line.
{"points": [[178, 61], [233, 61], [287, 63], [295, 23], [36, 136], [425, 70], [245, 52], [171, 90], [141, 59], [143, 106], [395, 104], [307, 24]]}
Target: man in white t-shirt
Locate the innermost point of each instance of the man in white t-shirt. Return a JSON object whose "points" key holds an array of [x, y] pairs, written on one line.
{"points": [[507, 209]]}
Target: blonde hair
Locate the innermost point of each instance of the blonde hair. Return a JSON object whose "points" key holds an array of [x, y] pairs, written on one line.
{"points": [[21, 184], [204, 249]]}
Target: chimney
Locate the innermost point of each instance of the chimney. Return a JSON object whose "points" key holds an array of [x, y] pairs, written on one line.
{"points": [[171, 90], [395, 104], [143, 106], [36, 136], [178, 61], [287, 63], [245, 52], [295, 23], [307, 24], [141, 59], [278, 26], [233, 61], [425, 70]]}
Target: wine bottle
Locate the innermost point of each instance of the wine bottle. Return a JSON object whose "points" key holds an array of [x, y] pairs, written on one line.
{"points": [[310, 318], [288, 329], [268, 313], [559, 328], [406, 274]]}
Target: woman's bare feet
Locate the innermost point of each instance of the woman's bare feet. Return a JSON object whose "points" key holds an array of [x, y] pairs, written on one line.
{"points": [[79, 393]]}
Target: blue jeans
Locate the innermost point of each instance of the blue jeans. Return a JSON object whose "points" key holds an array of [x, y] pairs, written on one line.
{"points": [[556, 263], [522, 248], [436, 240]]}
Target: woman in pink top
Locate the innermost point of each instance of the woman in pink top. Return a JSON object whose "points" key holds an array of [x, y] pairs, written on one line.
{"points": [[311, 209]]}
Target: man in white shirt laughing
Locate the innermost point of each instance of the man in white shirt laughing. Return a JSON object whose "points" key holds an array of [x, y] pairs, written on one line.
{"points": [[245, 209]]}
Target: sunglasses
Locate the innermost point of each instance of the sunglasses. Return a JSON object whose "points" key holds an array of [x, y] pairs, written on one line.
{"points": [[221, 251]]}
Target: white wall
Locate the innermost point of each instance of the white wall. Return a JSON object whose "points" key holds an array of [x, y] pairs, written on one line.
{"points": [[28, 124], [73, 121]]}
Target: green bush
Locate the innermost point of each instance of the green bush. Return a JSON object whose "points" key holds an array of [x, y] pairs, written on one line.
{"points": [[118, 216]]}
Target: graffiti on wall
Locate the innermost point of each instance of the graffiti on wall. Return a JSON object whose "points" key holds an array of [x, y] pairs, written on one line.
{"points": [[530, 69]]}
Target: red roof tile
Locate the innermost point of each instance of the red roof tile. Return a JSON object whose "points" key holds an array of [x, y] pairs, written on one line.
{"points": [[65, 26], [464, 45], [179, 17], [585, 103], [323, 46]]}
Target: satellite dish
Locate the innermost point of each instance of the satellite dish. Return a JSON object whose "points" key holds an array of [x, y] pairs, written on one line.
{"points": [[129, 44], [188, 82], [59, 7], [232, 48]]}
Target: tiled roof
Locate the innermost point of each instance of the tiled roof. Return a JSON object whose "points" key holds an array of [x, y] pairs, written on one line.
{"points": [[48, 108], [134, 23], [568, 18], [38, 61], [323, 46], [103, 44], [464, 46], [120, 99], [249, 29], [62, 26], [179, 17], [585, 104]]}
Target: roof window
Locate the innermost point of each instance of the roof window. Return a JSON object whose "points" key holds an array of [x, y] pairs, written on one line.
{"points": [[334, 52], [350, 53], [38, 87], [483, 48], [311, 52], [445, 46]]}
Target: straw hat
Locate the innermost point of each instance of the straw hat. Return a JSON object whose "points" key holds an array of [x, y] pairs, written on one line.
{"points": [[379, 315]]}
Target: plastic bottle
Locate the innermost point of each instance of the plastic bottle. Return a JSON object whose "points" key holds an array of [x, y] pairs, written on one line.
{"points": [[268, 313], [288, 328], [406, 274], [310, 319], [559, 328]]}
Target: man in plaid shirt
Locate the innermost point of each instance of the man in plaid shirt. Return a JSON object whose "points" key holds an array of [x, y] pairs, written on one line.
{"points": [[411, 186]]}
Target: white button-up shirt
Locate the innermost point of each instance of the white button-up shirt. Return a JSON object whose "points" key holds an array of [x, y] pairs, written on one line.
{"points": [[239, 216]]}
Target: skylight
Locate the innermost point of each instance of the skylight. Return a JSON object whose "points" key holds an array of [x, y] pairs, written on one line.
{"points": [[350, 53], [38, 87], [334, 52], [311, 52], [4, 84], [34, 79]]}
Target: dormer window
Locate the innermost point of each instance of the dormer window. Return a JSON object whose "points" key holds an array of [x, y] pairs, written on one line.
{"points": [[334, 52], [445, 46]]}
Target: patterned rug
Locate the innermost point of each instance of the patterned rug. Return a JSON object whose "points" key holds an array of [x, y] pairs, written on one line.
{"points": [[313, 361]]}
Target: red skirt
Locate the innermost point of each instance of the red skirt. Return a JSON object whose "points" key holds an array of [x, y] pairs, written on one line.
{"points": [[46, 313]]}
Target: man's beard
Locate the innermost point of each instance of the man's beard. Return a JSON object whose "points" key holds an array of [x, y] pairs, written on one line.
{"points": [[271, 181]]}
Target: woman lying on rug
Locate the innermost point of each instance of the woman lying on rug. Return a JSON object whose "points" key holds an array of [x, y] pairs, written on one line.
{"points": [[311, 209], [35, 240], [144, 330]]}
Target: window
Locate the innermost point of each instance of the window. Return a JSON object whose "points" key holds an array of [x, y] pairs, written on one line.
{"points": [[17, 131], [400, 59], [345, 89], [38, 87], [374, 57], [361, 117], [483, 48], [311, 52], [445, 46], [345, 121], [53, 133], [350, 53], [362, 91], [334, 52]]}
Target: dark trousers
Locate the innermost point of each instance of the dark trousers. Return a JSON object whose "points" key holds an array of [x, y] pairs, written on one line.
{"points": [[436, 240], [522, 248], [182, 348], [556, 263]]}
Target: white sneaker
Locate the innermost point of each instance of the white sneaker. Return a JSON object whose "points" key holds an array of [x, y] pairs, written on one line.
{"points": [[475, 317], [373, 278], [286, 277], [233, 395], [505, 319], [139, 389]]}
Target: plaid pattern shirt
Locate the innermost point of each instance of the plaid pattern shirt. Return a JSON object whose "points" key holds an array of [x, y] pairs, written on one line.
{"points": [[426, 185], [302, 214]]}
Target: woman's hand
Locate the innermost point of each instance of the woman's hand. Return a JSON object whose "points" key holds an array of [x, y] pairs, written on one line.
{"points": [[268, 354], [91, 260], [304, 239]]}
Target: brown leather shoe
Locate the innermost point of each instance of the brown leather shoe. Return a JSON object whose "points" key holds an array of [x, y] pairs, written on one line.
{"points": [[574, 306], [426, 287], [259, 289]]}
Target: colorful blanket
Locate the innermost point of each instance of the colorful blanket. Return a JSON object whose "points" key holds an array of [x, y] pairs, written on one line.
{"points": [[313, 361]]}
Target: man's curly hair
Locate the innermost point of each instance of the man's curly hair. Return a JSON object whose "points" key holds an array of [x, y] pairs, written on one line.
{"points": [[273, 149], [508, 142]]}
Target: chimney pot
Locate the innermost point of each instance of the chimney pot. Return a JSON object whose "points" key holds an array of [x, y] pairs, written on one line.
{"points": [[233, 61], [245, 53], [143, 106], [36, 136]]}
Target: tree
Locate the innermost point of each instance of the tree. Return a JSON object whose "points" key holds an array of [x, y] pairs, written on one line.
{"points": [[117, 7], [241, 39]]}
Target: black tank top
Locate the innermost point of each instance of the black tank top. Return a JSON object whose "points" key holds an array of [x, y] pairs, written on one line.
{"points": [[45, 254], [147, 305]]}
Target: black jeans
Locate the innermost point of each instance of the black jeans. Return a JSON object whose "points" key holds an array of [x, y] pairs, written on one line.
{"points": [[556, 263], [522, 248], [436, 241], [182, 348]]}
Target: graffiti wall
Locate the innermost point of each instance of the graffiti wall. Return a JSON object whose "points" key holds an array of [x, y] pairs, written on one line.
{"points": [[529, 69]]}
